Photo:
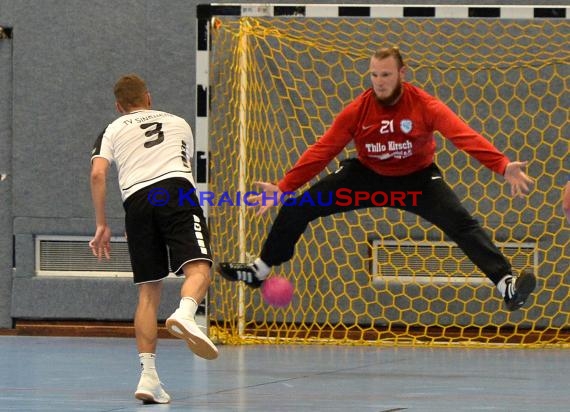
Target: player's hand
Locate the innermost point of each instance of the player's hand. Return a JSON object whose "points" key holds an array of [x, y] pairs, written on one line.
{"points": [[519, 181], [269, 197], [101, 243]]}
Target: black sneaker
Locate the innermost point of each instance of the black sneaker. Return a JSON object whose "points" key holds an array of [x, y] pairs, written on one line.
{"points": [[240, 271], [518, 288]]}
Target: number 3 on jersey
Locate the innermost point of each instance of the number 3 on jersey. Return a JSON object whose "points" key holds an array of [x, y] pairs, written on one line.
{"points": [[157, 130]]}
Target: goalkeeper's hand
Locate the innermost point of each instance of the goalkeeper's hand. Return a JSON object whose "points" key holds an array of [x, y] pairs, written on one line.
{"points": [[270, 196], [519, 181]]}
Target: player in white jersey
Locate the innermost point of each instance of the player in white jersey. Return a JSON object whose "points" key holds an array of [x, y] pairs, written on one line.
{"points": [[165, 225]]}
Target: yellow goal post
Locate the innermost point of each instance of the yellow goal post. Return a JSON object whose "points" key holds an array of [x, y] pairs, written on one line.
{"points": [[382, 276]]}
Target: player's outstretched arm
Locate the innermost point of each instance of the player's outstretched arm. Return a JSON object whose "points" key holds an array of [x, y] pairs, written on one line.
{"points": [[269, 196], [518, 179]]}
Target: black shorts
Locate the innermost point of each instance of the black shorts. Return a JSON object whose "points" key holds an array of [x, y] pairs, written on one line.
{"points": [[166, 229]]}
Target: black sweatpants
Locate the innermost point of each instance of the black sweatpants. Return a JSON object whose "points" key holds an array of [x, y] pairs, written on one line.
{"points": [[437, 203]]}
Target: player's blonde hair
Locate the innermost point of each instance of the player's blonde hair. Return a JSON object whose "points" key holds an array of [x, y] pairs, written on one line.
{"points": [[130, 91], [386, 52]]}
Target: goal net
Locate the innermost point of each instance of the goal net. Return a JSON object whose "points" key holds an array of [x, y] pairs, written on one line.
{"points": [[381, 276]]}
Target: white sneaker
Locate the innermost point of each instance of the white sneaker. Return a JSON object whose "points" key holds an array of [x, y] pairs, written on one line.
{"points": [[150, 390], [186, 328]]}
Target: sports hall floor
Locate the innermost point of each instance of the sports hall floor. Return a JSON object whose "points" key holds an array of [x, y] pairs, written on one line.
{"points": [[100, 374]]}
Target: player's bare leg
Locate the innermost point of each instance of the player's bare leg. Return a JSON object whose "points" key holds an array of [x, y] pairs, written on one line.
{"points": [[149, 389], [182, 323]]}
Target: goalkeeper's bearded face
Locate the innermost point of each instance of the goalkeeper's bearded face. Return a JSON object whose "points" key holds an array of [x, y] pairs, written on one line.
{"points": [[386, 78]]}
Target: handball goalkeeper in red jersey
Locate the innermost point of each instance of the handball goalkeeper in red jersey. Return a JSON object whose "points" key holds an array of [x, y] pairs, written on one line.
{"points": [[392, 125]]}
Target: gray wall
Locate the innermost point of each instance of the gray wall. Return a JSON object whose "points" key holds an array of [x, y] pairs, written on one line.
{"points": [[55, 97], [66, 57], [5, 183]]}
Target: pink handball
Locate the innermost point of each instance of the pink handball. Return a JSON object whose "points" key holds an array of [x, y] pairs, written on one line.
{"points": [[277, 291]]}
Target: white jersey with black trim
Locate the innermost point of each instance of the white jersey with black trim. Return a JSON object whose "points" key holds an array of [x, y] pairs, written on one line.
{"points": [[147, 146]]}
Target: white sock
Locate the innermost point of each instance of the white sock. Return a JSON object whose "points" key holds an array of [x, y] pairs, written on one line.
{"points": [[148, 364], [261, 269], [502, 285], [188, 306]]}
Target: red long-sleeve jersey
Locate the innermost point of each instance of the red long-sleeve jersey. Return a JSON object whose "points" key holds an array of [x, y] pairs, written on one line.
{"points": [[395, 140]]}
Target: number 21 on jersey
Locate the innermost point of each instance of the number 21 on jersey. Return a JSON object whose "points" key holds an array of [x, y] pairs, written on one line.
{"points": [[387, 126]]}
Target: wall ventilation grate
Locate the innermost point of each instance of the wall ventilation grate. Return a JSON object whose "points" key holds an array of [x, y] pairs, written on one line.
{"points": [[71, 256], [439, 262]]}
